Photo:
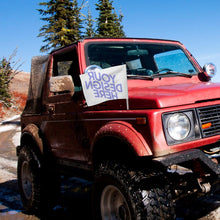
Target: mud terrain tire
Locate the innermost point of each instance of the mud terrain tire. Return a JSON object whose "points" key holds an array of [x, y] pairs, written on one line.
{"points": [[119, 194], [34, 183]]}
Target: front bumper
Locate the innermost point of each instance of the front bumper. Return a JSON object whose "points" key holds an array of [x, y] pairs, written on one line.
{"points": [[190, 155]]}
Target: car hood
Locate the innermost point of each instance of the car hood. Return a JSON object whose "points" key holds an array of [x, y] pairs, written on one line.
{"points": [[162, 96]]}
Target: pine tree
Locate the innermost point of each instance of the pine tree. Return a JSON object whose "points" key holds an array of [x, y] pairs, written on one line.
{"points": [[64, 23], [5, 72], [109, 25], [8, 69], [121, 33], [90, 32]]}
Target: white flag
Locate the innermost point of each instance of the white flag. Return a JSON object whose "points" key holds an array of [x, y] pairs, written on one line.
{"points": [[100, 85]]}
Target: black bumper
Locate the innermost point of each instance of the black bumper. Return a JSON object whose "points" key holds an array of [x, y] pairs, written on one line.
{"points": [[189, 155]]}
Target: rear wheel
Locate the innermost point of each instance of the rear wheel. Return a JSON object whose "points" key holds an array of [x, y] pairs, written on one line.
{"points": [[36, 185], [120, 195]]}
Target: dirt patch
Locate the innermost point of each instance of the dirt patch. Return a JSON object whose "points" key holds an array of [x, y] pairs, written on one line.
{"points": [[20, 83]]}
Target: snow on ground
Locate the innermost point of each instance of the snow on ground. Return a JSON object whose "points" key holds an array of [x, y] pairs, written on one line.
{"points": [[5, 164], [7, 126], [5, 167], [6, 175], [16, 138], [10, 119]]}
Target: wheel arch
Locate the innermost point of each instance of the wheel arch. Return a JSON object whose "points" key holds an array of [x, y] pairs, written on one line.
{"points": [[31, 134], [118, 140]]}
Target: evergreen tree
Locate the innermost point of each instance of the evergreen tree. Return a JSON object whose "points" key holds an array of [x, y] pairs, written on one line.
{"points": [[90, 32], [109, 25], [121, 33], [5, 72], [8, 69], [64, 23]]}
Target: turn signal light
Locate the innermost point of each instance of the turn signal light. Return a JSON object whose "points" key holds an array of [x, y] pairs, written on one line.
{"points": [[141, 121], [207, 125]]}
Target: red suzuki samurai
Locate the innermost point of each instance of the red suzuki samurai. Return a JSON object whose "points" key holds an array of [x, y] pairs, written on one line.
{"points": [[160, 140]]}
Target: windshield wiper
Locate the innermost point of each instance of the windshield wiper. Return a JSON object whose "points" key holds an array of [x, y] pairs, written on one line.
{"points": [[131, 76], [159, 75], [175, 73]]}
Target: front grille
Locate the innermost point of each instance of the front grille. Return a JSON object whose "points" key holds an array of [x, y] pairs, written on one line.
{"points": [[209, 116]]}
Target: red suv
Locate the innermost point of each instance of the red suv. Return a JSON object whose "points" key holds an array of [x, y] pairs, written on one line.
{"points": [[138, 117]]}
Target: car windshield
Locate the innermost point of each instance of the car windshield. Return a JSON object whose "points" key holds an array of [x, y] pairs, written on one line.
{"points": [[141, 59]]}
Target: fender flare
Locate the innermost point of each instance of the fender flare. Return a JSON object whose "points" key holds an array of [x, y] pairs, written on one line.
{"points": [[125, 132], [31, 130]]}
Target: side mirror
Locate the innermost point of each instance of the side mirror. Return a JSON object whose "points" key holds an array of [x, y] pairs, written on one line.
{"points": [[209, 71], [62, 84]]}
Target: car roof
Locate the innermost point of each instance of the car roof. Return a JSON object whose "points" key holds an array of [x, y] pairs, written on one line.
{"points": [[115, 39]]}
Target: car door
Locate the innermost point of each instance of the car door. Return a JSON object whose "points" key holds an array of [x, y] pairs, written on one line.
{"points": [[64, 129]]}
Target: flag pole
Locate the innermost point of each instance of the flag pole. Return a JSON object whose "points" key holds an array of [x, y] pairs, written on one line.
{"points": [[127, 104]]}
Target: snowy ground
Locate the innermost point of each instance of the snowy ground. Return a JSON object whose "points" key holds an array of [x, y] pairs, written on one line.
{"points": [[6, 126], [10, 204], [8, 164]]}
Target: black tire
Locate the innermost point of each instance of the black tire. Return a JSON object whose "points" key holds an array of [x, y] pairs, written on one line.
{"points": [[119, 194], [34, 182]]}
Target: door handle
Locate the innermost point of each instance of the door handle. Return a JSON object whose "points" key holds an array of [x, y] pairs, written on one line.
{"points": [[51, 109]]}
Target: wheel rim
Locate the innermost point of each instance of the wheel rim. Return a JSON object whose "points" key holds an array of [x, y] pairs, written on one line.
{"points": [[26, 180], [113, 204]]}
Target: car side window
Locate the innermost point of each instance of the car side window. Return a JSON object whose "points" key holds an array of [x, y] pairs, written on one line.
{"points": [[63, 68], [66, 63]]}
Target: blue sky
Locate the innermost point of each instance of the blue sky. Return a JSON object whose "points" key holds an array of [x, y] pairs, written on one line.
{"points": [[196, 23]]}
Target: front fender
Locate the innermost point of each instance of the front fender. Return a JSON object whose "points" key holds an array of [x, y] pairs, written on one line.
{"points": [[125, 132], [32, 131]]}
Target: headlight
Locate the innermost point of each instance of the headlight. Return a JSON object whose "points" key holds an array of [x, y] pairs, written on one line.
{"points": [[178, 126]]}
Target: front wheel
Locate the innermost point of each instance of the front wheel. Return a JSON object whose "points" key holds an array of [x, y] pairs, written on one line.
{"points": [[113, 203], [119, 195]]}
